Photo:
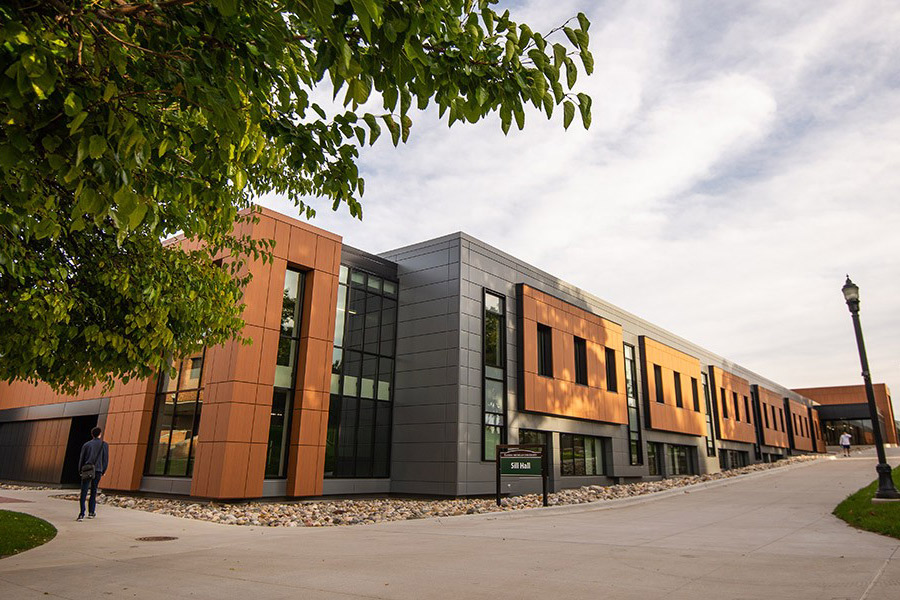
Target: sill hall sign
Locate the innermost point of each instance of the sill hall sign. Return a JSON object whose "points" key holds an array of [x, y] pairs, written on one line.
{"points": [[522, 460]]}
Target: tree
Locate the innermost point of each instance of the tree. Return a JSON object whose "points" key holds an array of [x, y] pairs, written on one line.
{"points": [[126, 121]]}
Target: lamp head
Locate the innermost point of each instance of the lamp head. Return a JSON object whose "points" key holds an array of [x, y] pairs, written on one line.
{"points": [[851, 293]]}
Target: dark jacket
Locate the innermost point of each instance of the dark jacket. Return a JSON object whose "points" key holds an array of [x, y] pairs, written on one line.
{"points": [[95, 452]]}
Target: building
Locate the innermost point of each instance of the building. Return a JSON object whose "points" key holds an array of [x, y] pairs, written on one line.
{"points": [[846, 408], [400, 373]]}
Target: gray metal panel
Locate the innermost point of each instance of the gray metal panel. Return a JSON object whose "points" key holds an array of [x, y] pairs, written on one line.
{"points": [[167, 485]]}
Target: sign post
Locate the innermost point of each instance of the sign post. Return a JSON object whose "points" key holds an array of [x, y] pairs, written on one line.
{"points": [[522, 460]]}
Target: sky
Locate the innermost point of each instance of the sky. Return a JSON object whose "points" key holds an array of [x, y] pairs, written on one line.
{"points": [[743, 158]]}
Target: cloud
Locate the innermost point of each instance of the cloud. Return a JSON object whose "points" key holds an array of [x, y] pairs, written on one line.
{"points": [[743, 158]]}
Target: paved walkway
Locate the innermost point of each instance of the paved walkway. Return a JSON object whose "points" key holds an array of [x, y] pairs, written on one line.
{"points": [[766, 536]]}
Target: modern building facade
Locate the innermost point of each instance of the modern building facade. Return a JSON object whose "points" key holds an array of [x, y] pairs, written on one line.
{"points": [[400, 373], [846, 408]]}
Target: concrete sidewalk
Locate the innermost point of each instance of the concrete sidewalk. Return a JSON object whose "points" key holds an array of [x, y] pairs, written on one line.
{"points": [[763, 536]]}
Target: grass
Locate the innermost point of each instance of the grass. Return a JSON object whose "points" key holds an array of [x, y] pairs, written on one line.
{"points": [[858, 510], [20, 532]]}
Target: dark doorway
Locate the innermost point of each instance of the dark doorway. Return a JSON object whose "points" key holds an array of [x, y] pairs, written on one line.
{"points": [[79, 433]]}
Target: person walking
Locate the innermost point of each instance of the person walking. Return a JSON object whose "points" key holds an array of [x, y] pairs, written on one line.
{"points": [[845, 442], [92, 463]]}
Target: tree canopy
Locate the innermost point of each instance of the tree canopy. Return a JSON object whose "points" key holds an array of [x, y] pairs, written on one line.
{"points": [[127, 121]]}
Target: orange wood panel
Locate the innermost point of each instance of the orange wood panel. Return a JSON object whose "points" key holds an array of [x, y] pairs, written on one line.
{"points": [[667, 415], [803, 435], [738, 426], [769, 404], [560, 395]]}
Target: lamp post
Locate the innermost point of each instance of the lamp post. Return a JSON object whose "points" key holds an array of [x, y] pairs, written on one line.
{"points": [[886, 487]]}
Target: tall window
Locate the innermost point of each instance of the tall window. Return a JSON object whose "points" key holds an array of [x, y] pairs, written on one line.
{"points": [[545, 350], [781, 417], [724, 404], [737, 407], [774, 420], [747, 409], [634, 418], [581, 376], [285, 374], [710, 441], [176, 420], [679, 460], [765, 412], [679, 401], [362, 376], [695, 394], [654, 457], [580, 455], [611, 383], [494, 426], [657, 380]]}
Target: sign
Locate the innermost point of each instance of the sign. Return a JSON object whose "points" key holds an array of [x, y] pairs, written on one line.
{"points": [[528, 460], [521, 462]]}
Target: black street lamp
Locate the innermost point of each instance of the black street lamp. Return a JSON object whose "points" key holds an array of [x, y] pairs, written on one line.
{"points": [[886, 487]]}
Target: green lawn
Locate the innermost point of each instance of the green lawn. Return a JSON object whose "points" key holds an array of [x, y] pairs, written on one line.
{"points": [[859, 511], [20, 532]]}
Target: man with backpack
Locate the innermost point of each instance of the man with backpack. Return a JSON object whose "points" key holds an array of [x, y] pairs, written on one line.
{"points": [[92, 463]]}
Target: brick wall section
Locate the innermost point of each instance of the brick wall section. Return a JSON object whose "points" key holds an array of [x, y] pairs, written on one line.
{"points": [[560, 395], [856, 394], [666, 415], [732, 428], [772, 434]]}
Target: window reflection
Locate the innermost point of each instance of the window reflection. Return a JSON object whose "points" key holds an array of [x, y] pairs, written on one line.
{"points": [[176, 420]]}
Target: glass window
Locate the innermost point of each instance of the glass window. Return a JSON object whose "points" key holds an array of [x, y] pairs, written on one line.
{"points": [[747, 409], [359, 430], [695, 394], [611, 383], [531, 436], [658, 383], [385, 371], [581, 455], [279, 420], [710, 441], [737, 409], [369, 374], [724, 404], [634, 420], [581, 376], [176, 420], [494, 374], [679, 400], [545, 350], [654, 454]]}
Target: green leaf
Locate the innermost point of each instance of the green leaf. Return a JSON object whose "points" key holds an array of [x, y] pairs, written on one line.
{"points": [[584, 105], [571, 72], [72, 105], [393, 128], [405, 126], [97, 146], [76, 122], [568, 113], [570, 33], [374, 127], [584, 22]]}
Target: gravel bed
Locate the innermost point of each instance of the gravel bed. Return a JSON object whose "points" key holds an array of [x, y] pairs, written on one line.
{"points": [[16, 486], [324, 513]]}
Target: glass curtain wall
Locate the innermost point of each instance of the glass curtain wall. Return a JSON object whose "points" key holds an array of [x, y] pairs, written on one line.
{"points": [[285, 374], [634, 425], [494, 353], [710, 432], [176, 420], [362, 375]]}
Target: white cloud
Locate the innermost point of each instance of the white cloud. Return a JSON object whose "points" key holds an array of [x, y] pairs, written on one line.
{"points": [[743, 157]]}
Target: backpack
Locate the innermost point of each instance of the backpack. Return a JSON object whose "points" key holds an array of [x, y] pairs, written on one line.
{"points": [[88, 472]]}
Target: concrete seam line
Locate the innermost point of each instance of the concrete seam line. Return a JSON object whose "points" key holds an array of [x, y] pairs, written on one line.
{"points": [[878, 575]]}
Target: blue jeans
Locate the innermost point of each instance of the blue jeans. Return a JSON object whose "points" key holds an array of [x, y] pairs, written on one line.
{"points": [[92, 504]]}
